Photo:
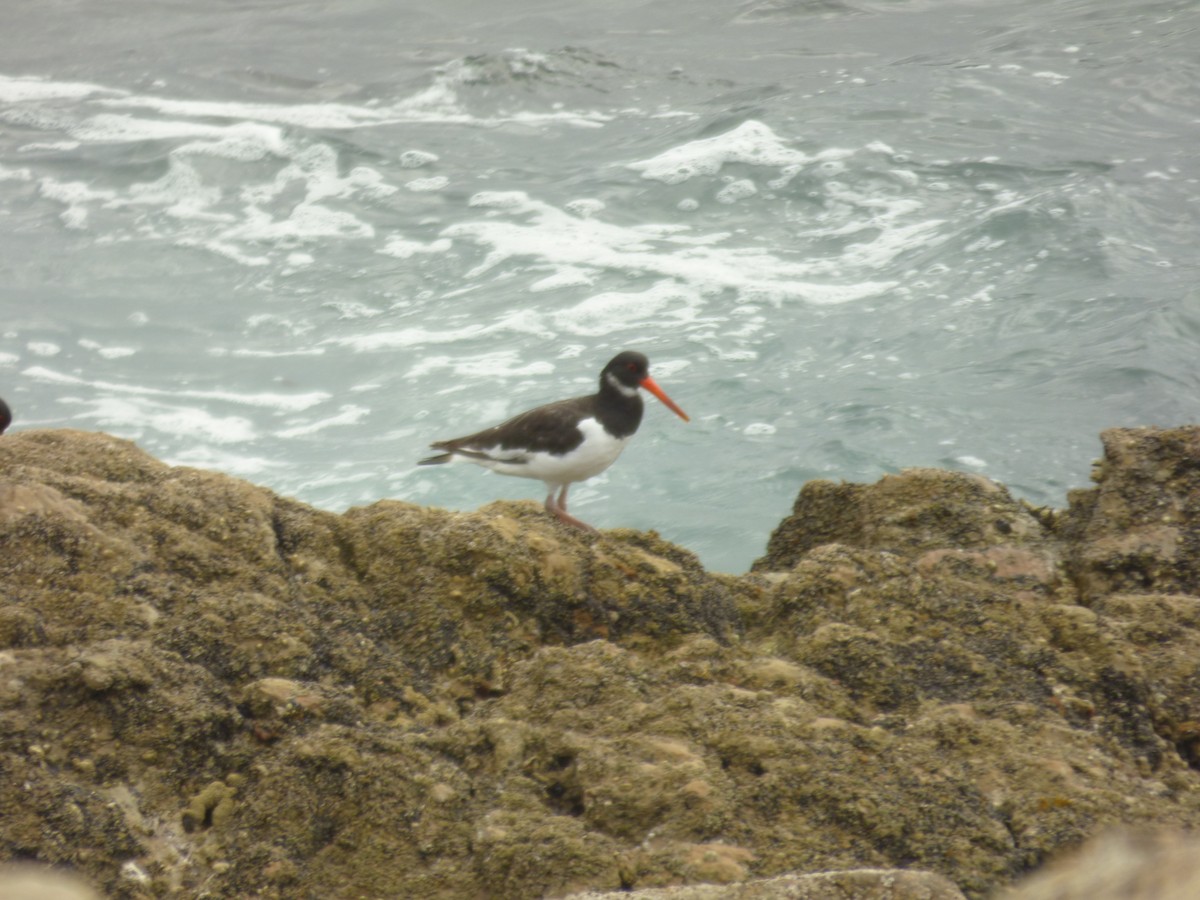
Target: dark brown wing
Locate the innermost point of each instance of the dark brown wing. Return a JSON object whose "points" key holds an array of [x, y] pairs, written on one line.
{"points": [[552, 428]]}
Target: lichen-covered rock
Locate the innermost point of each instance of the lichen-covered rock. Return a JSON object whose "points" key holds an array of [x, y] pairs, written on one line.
{"points": [[1138, 530], [207, 689], [915, 511], [859, 884]]}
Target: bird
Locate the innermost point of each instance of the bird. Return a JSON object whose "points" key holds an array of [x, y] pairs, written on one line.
{"points": [[5, 416], [568, 441]]}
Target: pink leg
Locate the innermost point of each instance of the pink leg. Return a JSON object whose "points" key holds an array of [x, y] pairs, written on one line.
{"points": [[558, 508]]}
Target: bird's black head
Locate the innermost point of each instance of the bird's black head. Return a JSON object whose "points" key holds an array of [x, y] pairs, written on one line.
{"points": [[629, 368], [624, 374]]}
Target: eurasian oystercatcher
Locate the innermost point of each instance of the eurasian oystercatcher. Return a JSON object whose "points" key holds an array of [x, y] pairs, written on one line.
{"points": [[5, 416], [568, 441]]}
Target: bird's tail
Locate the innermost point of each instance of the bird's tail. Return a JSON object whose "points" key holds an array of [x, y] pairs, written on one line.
{"points": [[435, 460]]}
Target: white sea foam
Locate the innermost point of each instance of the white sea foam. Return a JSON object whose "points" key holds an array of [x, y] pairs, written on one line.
{"points": [[669, 368], [402, 248], [891, 241], [566, 276], [313, 116], [23, 89], [316, 167], [133, 416], [249, 227], [53, 146], [737, 190], [240, 142], [341, 478], [517, 321], [202, 456], [7, 174], [306, 222], [585, 208], [438, 103], [225, 249], [503, 364], [349, 414], [973, 461], [751, 143], [106, 352], [406, 337], [756, 429], [180, 192], [351, 309], [114, 128], [275, 188], [426, 185], [75, 195], [286, 402], [663, 303], [247, 353], [552, 239], [415, 159]]}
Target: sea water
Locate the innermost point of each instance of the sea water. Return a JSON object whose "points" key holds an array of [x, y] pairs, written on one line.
{"points": [[296, 242]]}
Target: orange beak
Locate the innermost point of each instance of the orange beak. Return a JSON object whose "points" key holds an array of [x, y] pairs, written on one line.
{"points": [[649, 384]]}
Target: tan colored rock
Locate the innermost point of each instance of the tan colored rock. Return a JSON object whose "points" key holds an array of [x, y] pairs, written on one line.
{"points": [[859, 884], [1138, 530], [207, 689], [30, 882], [1120, 865], [917, 510]]}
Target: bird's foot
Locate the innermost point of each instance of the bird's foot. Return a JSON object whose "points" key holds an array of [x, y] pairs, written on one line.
{"points": [[565, 517]]}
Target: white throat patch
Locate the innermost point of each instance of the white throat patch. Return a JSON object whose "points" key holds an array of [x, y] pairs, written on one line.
{"points": [[624, 389]]}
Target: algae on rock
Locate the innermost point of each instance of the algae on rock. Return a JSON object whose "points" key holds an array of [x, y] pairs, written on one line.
{"points": [[207, 689]]}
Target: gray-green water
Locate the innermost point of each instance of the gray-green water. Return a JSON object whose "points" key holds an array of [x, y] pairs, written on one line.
{"points": [[297, 241]]}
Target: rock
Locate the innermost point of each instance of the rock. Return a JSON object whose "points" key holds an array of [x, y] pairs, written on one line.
{"points": [[30, 882], [924, 686], [918, 510], [1138, 531], [1120, 865], [860, 884], [213, 806]]}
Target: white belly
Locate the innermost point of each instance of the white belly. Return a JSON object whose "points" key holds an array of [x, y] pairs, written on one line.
{"points": [[597, 452]]}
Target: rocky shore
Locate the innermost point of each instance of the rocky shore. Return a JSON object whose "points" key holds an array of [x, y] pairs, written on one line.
{"points": [[923, 688]]}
